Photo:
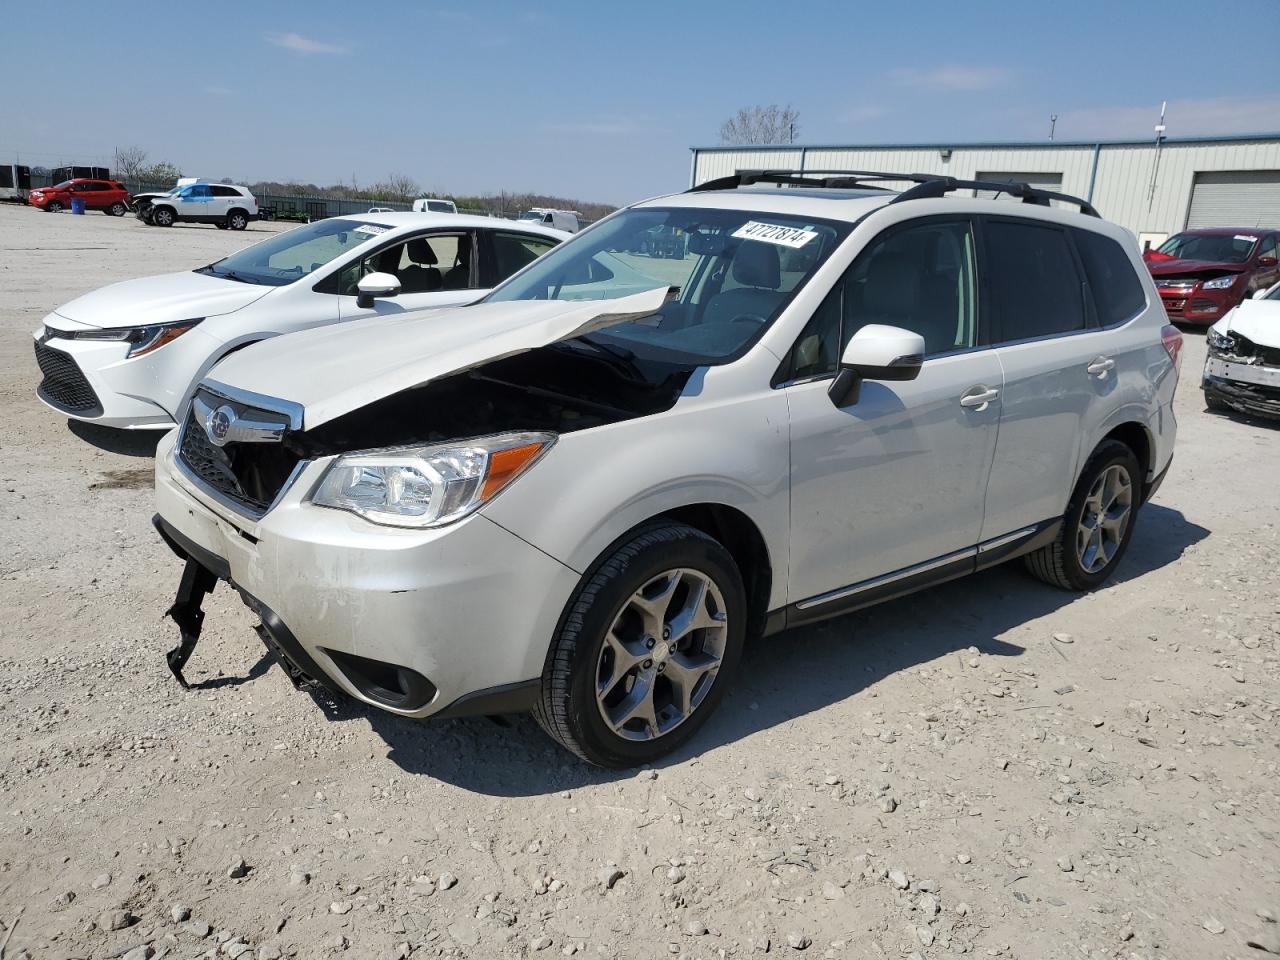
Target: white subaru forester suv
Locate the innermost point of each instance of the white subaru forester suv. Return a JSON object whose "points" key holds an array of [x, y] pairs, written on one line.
{"points": [[583, 494]]}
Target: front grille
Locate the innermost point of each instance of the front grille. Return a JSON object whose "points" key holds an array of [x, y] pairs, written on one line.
{"points": [[1177, 286], [64, 385], [250, 475], [1174, 306]]}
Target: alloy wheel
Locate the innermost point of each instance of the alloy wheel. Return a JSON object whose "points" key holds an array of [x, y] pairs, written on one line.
{"points": [[1107, 512], [661, 655]]}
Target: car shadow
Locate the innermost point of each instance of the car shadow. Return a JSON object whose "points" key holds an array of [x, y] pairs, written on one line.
{"points": [[127, 443], [779, 679]]}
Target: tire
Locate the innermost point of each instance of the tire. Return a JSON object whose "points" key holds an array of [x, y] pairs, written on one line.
{"points": [[663, 565], [1214, 405], [237, 220], [221, 225], [1063, 563], [163, 216], [117, 209], [53, 206]]}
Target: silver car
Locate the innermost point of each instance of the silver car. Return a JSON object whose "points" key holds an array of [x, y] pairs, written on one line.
{"points": [[581, 495]]}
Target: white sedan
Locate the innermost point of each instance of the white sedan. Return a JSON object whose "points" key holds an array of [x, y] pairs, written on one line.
{"points": [[130, 354]]}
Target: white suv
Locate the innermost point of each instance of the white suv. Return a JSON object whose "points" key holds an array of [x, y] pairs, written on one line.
{"points": [[225, 205], [593, 486]]}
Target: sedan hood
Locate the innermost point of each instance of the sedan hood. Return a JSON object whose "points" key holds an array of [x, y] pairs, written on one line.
{"points": [[1163, 268], [333, 370], [1259, 320], [164, 299]]}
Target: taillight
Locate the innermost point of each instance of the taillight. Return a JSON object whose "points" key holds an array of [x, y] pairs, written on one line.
{"points": [[1171, 337]]}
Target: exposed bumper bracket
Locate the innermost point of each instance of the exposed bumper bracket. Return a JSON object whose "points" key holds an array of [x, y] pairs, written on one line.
{"points": [[197, 582]]}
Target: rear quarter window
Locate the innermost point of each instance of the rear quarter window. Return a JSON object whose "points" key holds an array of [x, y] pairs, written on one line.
{"points": [[1117, 291]]}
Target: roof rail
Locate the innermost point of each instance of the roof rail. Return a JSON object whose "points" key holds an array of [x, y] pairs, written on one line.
{"points": [[927, 185]]}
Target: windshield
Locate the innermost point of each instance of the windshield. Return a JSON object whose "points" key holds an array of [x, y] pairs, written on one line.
{"points": [[729, 273], [1273, 293], [1221, 249], [64, 185], [291, 256], [535, 217]]}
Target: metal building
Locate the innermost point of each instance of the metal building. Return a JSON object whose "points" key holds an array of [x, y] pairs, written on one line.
{"points": [[1153, 190]]}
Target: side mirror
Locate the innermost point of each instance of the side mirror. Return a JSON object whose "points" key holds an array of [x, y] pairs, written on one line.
{"points": [[876, 352], [1267, 261], [376, 285]]}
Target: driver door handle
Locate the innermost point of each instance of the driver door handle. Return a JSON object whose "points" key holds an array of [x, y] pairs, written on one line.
{"points": [[979, 396], [1100, 366]]}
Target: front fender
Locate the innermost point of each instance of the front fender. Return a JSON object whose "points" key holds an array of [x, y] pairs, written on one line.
{"points": [[597, 484]]}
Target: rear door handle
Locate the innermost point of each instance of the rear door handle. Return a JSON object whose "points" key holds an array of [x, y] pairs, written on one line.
{"points": [[1100, 366], [979, 397]]}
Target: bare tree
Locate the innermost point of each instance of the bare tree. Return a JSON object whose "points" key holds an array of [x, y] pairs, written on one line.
{"points": [[162, 171], [130, 162], [771, 124], [398, 186]]}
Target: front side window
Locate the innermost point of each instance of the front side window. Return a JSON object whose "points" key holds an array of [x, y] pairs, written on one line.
{"points": [[290, 256], [729, 274], [1117, 292], [1268, 248], [920, 278], [422, 264], [1219, 248], [1035, 289]]}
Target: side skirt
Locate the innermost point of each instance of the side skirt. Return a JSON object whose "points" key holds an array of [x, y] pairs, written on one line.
{"points": [[908, 580]]}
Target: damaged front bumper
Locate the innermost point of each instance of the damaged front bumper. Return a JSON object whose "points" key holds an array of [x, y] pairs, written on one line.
{"points": [[443, 622], [1252, 388]]}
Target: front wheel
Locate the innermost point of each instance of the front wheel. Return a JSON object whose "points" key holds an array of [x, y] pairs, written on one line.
{"points": [[117, 209], [237, 220], [54, 206], [645, 649], [163, 217], [1098, 524]]}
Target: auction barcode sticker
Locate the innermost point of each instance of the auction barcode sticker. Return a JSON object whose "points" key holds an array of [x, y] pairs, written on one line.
{"points": [[1245, 237], [371, 228], [772, 233]]}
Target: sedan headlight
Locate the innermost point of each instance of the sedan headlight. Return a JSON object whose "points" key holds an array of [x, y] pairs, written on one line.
{"points": [[1220, 343], [141, 340], [1221, 283], [430, 486]]}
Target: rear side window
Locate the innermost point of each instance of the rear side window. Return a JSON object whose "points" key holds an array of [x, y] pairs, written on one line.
{"points": [[1031, 272], [1117, 292]]}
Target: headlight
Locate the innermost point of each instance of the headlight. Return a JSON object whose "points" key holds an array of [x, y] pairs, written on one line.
{"points": [[141, 340], [1220, 284], [428, 486], [1219, 342]]}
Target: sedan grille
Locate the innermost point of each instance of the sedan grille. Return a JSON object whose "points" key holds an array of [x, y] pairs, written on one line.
{"points": [[248, 475], [64, 385]]}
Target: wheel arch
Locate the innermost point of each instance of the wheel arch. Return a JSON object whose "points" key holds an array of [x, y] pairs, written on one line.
{"points": [[1137, 437]]}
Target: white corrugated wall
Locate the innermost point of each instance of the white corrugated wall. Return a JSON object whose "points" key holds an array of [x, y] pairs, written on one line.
{"points": [[1121, 187]]}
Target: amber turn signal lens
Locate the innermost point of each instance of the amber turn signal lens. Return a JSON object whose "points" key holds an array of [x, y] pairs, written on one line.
{"points": [[506, 465]]}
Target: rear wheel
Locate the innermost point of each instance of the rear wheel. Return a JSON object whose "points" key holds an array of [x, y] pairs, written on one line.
{"points": [[163, 216], [1098, 524], [53, 206], [237, 220], [645, 649], [117, 209]]}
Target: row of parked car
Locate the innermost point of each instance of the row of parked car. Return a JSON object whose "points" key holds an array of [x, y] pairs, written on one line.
{"points": [[579, 492]]}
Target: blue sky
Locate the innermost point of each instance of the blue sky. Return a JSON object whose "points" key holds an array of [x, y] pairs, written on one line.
{"points": [[600, 101]]}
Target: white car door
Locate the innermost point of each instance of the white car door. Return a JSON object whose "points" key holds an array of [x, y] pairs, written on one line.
{"points": [[892, 486], [436, 269]]}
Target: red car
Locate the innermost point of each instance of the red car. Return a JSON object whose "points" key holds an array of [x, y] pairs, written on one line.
{"points": [[109, 196], [1201, 274]]}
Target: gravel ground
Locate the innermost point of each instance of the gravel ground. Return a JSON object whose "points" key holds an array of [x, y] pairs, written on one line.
{"points": [[993, 768]]}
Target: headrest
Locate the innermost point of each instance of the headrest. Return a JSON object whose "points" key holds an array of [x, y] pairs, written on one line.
{"points": [[756, 264], [892, 285], [420, 251]]}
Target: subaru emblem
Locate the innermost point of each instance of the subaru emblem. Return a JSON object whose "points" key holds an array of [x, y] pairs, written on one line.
{"points": [[218, 423]]}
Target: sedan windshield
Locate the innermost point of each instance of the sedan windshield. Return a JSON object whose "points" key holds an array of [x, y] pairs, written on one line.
{"points": [[291, 256], [729, 274], [1218, 248]]}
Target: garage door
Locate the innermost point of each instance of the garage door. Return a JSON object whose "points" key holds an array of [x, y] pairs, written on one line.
{"points": [[1238, 198], [1045, 181]]}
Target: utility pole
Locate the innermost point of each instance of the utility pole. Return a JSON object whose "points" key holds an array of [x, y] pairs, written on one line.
{"points": [[1155, 165], [1053, 123]]}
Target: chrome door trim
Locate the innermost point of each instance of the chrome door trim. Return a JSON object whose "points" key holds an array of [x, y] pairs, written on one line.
{"points": [[843, 592], [998, 542]]}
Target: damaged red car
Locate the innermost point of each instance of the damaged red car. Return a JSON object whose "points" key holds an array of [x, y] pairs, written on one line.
{"points": [[1201, 274]]}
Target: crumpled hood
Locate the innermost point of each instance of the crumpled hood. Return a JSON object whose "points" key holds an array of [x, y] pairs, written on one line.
{"points": [[1259, 320], [167, 298], [1163, 268], [333, 370]]}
